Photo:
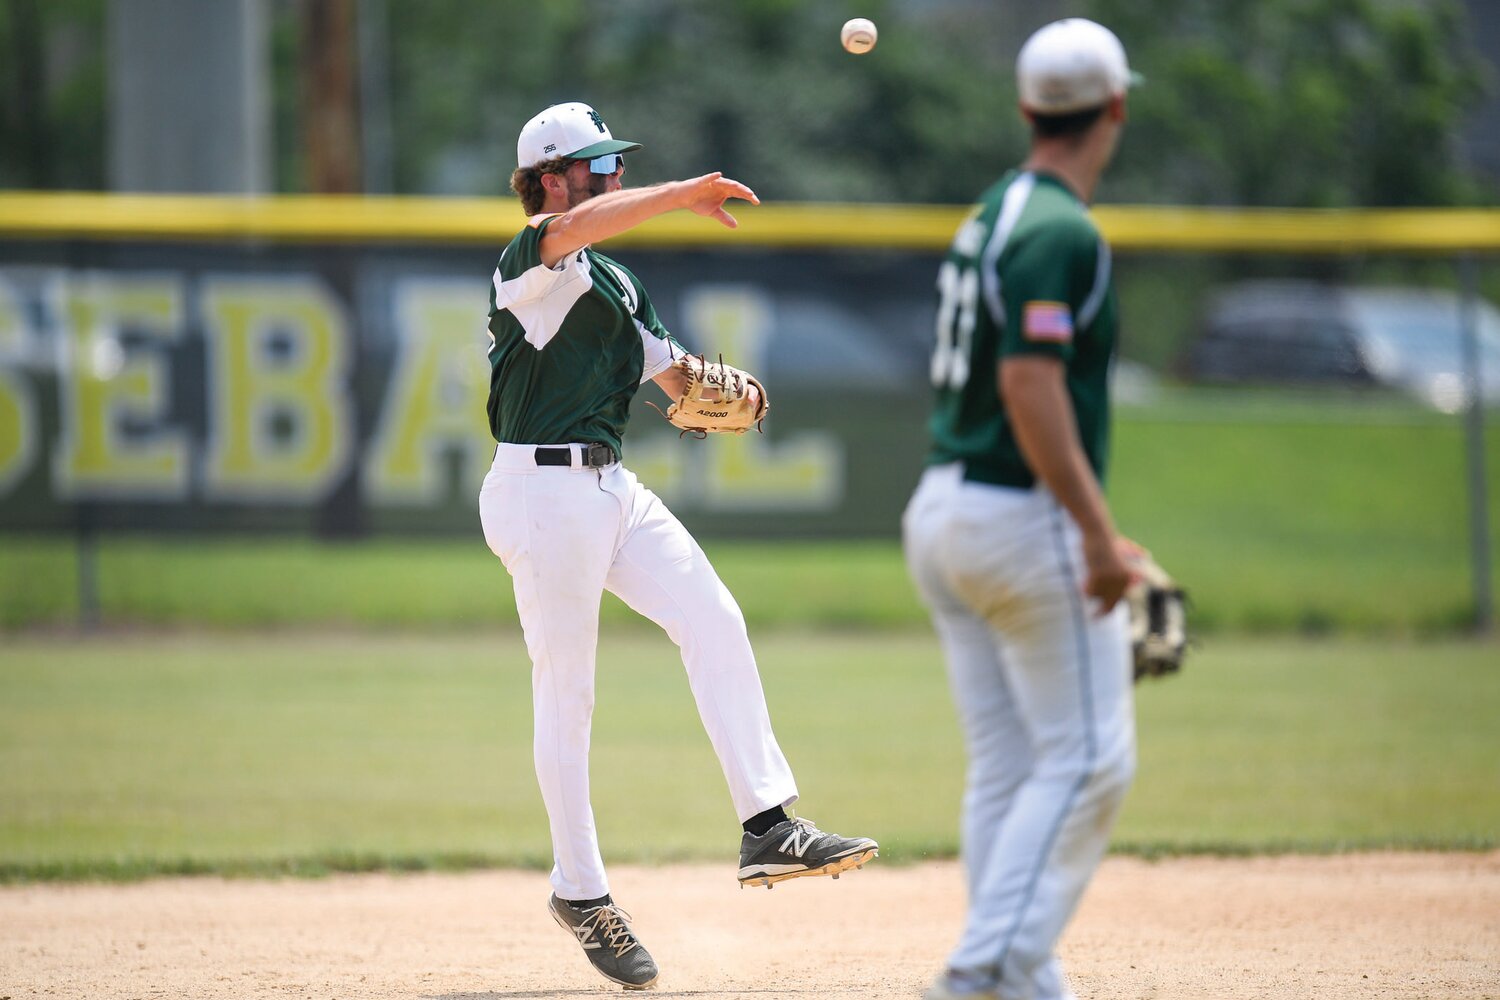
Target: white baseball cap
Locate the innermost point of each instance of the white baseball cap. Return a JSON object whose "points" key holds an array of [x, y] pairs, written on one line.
{"points": [[572, 130], [1072, 65]]}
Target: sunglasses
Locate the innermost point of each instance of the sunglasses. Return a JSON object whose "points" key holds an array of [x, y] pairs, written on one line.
{"points": [[609, 163]]}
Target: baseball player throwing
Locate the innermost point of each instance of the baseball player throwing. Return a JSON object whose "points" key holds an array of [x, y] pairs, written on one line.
{"points": [[1008, 536], [574, 336]]}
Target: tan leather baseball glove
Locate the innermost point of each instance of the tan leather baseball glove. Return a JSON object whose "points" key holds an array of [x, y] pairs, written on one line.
{"points": [[1158, 618], [717, 399]]}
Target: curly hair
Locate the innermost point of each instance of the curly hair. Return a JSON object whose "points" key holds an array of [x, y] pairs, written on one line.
{"points": [[527, 182]]}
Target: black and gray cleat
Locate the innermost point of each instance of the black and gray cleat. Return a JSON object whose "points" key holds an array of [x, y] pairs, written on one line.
{"points": [[611, 946], [798, 849]]}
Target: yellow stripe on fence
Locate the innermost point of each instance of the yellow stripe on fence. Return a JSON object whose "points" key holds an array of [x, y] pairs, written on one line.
{"points": [[1292, 231], [355, 219]]}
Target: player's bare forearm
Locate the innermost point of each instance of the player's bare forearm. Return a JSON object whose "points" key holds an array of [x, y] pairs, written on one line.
{"points": [[1036, 401], [606, 215]]}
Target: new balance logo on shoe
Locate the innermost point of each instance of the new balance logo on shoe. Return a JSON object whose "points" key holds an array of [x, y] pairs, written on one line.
{"points": [[583, 933], [797, 842]]}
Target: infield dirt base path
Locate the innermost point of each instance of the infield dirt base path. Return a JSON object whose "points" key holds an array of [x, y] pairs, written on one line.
{"points": [[1377, 925]]}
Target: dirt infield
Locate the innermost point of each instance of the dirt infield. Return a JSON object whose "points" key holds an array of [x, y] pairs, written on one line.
{"points": [[1376, 925]]}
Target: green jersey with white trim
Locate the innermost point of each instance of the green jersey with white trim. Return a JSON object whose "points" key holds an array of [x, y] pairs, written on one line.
{"points": [[571, 344], [1027, 273]]}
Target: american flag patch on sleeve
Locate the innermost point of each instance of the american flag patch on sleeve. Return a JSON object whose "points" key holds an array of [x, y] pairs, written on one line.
{"points": [[1049, 321]]}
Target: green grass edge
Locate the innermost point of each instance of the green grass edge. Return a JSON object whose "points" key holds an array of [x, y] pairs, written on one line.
{"points": [[313, 866]]}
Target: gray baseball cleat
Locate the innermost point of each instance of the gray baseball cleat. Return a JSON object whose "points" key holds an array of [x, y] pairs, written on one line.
{"points": [[795, 848], [956, 986], [605, 934]]}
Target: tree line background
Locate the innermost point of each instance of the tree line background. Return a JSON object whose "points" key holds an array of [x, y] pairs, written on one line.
{"points": [[1313, 103]]}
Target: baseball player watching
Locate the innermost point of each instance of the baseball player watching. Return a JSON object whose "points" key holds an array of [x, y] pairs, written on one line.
{"points": [[574, 336], [1008, 536]]}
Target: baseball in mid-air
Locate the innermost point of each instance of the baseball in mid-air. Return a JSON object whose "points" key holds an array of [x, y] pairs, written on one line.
{"points": [[858, 35]]}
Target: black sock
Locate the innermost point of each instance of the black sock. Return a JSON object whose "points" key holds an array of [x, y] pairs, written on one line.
{"points": [[758, 824], [588, 904]]}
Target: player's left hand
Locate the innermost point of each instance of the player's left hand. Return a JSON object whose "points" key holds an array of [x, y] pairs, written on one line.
{"points": [[716, 398]]}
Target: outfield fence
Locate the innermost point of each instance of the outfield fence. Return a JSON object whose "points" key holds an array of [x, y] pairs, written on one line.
{"points": [[312, 365]]}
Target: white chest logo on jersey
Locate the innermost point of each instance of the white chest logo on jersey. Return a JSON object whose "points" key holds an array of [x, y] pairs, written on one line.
{"points": [[541, 297], [627, 296]]}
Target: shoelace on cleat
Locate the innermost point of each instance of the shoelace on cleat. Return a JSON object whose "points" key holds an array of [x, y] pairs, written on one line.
{"points": [[612, 924], [809, 826]]}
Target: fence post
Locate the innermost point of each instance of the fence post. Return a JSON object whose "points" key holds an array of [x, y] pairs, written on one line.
{"points": [[87, 538], [1479, 522]]}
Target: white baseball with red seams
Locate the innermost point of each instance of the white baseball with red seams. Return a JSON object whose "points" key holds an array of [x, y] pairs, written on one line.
{"points": [[858, 35]]}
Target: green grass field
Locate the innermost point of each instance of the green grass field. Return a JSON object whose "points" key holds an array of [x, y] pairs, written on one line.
{"points": [[1278, 514], [126, 755], [329, 706]]}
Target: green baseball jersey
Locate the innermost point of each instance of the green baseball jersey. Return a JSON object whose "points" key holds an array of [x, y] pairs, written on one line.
{"points": [[1027, 273], [571, 344]]}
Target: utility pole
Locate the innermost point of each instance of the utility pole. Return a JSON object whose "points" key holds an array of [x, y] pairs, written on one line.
{"points": [[330, 97], [331, 137]]}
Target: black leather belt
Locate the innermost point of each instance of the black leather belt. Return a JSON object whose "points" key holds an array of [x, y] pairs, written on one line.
{"points": [[594, 455]]}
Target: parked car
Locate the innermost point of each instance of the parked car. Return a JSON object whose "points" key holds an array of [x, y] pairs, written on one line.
{"points": [[1298, 332]]}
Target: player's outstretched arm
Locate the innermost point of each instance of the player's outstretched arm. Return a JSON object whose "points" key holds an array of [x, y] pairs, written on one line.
{"points": [[611, 214]]}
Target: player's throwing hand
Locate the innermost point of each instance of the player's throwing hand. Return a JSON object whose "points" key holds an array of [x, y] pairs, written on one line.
{"points": [[706, 196]]}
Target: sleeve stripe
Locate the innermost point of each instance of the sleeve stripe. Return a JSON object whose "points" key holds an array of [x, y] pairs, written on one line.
{"points": [[658, 352], [495, 283], [1095, 301], [1016, 197]]}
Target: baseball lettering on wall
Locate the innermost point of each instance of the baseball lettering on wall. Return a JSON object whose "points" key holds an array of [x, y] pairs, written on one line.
{"points": [[274, 378], [117, 439], [278, 361], [435, 403], [210, 393]]}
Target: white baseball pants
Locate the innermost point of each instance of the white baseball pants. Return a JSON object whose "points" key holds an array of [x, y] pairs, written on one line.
{"points": [[568, 534], [1043, 691]]}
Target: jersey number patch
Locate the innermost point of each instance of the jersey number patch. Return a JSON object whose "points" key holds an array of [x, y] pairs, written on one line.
{"points": [[958, 311]]}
